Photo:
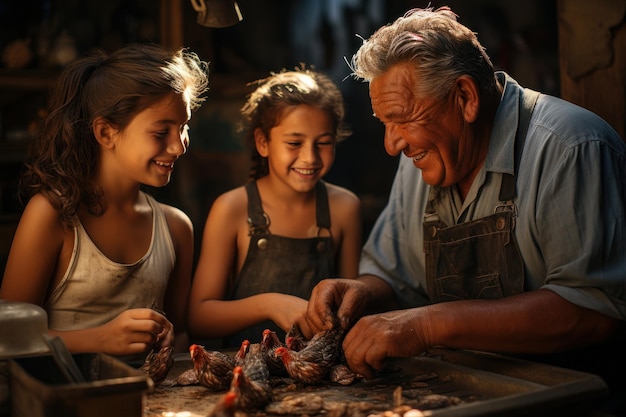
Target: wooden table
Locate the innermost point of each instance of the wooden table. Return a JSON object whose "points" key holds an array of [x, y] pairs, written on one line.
{"points": [[465, 383]]}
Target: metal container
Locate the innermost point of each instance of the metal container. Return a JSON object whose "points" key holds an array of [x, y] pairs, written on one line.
{"points": [[39, 388], [21, 328]]}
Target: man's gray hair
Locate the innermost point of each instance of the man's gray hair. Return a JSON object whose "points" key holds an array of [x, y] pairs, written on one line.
{"points": [[441, 48]]}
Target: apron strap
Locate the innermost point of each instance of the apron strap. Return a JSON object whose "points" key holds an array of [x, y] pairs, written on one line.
{"points": [[528, 99], [322, 210], [257, 219]]}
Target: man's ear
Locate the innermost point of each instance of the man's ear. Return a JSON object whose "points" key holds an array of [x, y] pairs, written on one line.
{"points": [[104, 132], [260, 140], [468, 98]]}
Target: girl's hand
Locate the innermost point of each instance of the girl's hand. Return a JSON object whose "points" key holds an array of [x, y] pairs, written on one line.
{"points": [[287, 310], [136, 331]]}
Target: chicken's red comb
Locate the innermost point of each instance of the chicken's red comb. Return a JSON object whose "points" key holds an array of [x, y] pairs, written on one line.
{"points": [[229, 398]]}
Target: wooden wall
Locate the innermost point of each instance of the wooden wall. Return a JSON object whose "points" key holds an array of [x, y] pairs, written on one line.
{"points": [[592, 41]]}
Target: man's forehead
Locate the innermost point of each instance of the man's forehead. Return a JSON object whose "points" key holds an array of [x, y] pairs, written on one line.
{"points": [[396, 79], [393, 87]]}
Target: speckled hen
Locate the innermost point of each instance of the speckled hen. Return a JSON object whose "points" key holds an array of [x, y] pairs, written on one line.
{"points": [[240, 356], [250, 394], [214, 369], [269, 343], [311, 364], [294, 339], [158, 364], [225, 407]]}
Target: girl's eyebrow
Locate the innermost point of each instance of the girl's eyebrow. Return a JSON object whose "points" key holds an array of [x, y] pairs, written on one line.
{"points": [[167, 122], [293, 134], [299, 134]]}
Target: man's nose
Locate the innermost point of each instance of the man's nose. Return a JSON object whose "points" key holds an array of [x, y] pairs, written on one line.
{"points": [[394, 143]]}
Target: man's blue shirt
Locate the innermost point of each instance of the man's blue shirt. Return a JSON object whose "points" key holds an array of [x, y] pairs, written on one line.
{"points": [[571, 199]]}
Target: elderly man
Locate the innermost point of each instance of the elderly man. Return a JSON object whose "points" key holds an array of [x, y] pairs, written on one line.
{"points": [[505, 227]]}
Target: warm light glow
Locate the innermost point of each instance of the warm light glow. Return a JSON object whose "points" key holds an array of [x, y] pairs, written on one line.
{"points": [[177, 414]]}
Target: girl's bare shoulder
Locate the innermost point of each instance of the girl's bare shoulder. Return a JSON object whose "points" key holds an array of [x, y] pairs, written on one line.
{"points": [[40, 211], [176, 216], [40, 203], [342, 195], [231, 204]]}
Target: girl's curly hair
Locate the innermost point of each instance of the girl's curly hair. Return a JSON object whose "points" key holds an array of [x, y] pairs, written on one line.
{"points": [[264, 108]]}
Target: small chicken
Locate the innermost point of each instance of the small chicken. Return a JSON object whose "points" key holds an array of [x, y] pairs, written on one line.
{"points": [[342, 374], [311, 364], [240, 356], [187, 377], [269, 344], [255, 367], [294, 339], [225, 407], [158, 364], [251, 394], [214, 369]]}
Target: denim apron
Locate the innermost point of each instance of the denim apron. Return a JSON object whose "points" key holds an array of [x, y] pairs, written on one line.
{"points": [[479, 258], [281, 264]]}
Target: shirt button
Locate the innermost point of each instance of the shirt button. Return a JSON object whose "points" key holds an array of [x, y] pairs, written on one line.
{"points": [[262, 243], [500, 223], [433, 231], [321, 247]]}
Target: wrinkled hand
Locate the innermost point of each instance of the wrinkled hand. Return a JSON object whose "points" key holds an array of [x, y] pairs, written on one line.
{"points": [[332, 299], [137, 331], [373, 339]]}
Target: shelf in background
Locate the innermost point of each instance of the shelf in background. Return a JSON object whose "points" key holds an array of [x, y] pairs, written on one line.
{"points": [[27, 80]]}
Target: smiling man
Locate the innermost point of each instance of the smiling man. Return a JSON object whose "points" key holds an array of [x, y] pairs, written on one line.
{"points": [[505, 228]]}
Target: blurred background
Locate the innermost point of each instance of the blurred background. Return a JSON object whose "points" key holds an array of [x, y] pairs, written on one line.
{"points": [[565, 48]]}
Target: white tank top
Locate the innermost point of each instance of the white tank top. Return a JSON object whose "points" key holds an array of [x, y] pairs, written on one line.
{"points": [[94, 289]]}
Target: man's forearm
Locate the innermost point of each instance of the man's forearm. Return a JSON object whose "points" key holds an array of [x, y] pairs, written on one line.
{"points": [[535, 322]]}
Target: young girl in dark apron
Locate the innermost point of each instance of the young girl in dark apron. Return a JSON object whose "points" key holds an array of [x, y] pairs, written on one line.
{"points": [[267, 243]]}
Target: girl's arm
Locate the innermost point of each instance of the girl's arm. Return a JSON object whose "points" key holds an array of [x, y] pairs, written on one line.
{"points": [[36, 252], [346, 212], [178, 287], [210, 315]]}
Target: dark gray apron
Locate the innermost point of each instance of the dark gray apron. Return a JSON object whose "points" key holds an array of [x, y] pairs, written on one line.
{"points": [[281, 264], [479, 258]]}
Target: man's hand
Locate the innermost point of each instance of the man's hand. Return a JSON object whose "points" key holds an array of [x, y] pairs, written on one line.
{"points": [[374, 338], [332, 299]]}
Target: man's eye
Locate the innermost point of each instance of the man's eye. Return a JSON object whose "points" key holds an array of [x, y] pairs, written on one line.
{"points": [[162, 134]]}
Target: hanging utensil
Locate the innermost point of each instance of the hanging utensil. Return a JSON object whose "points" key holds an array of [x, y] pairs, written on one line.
{"points": [[64, 359]]}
